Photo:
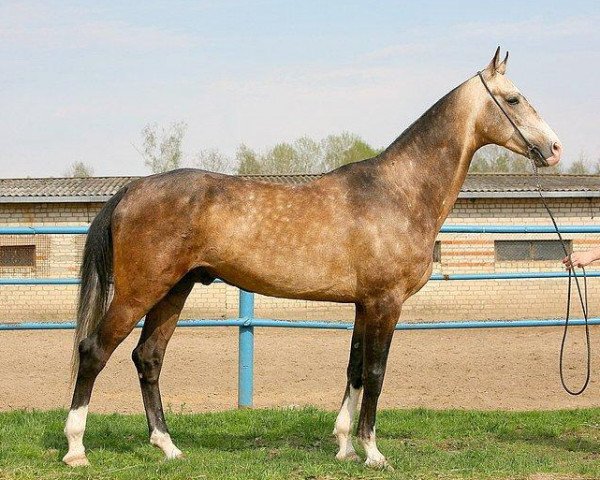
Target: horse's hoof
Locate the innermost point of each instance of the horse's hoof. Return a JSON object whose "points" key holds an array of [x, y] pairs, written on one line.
{"points": [[175, 454], [79, 460], [379, 464], [348, 457]]}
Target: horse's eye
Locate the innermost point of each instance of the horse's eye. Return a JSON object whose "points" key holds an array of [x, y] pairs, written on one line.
{"points": [[512, 100]]}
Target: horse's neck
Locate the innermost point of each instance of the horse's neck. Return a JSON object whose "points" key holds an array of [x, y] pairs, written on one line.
{"points": [[428, 163]]}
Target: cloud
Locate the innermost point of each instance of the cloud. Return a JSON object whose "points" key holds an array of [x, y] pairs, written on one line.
{"points": [[39, 26], [535, 28], [424, 41]]}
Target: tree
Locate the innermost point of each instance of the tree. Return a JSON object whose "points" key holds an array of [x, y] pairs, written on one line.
{"points": [[79, 169], [280, 159], [581, 166], [300, 156], [344, 148], [213, 161], [305, 155], [161, 148], [493, 158], [496, 159], [247, 161]]}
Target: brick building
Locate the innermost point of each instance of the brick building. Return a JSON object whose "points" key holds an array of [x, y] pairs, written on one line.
{"points": [[503, 199]]}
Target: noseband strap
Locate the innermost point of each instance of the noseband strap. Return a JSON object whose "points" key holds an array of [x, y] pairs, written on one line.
{"points": [[531, 148]]}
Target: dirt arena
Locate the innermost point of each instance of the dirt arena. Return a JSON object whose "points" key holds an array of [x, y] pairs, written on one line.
{"points": [[513, 369]]}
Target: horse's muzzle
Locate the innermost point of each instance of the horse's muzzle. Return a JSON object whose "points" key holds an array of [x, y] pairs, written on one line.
{"points": [[541, 160], [556, 153]]}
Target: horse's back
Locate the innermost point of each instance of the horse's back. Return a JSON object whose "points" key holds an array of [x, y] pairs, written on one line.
{"points": [[281, 240]]}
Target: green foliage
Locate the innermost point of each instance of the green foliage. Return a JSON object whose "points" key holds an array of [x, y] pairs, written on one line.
{"points": [[342, 149], [247, 161], [161, 148], [578, 168], [79, 169], [584, 166], [305, 155], [298, 445], [495, 159], [280, 159], [213, 161]]}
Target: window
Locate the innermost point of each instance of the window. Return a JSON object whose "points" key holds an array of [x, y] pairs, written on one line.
{"points": [[24, 255], [437, 252], [515, 250], [17, 256]]}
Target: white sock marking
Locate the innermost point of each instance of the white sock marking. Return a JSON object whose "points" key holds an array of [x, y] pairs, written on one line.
{"points": [[163, 441], [374, 456], [74, 430], [343, 425]]}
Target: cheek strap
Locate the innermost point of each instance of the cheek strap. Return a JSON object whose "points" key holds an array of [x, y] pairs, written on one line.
{"points": [[532, 150]]}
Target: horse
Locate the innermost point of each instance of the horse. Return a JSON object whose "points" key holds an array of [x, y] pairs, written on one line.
{"points": [[363, 233]]}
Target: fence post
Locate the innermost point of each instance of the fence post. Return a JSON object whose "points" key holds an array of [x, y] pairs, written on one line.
{"points": [[246, 351]]}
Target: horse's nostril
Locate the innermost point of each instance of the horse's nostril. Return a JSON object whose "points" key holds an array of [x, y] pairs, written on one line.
{"points": [[556, 148]]}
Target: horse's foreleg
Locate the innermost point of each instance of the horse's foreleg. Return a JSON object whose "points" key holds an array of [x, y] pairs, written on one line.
{"points": [[148, 357], [381, 318], [94, 352], [343, 423]]}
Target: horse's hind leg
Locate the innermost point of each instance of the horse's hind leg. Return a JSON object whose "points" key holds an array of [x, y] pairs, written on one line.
{"points": [[148, 357], [130, 303], [94, 352], [343, 423]]}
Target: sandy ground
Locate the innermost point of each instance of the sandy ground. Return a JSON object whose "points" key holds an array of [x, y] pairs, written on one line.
{"points": [[514, 369]]}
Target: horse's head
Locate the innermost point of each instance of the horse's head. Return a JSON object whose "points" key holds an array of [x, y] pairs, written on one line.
{"points": [[492, 124]]}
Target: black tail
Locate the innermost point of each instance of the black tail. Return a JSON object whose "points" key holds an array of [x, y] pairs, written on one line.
{"points": [[95, 273]]}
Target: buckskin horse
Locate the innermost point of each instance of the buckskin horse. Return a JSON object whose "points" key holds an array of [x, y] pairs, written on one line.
{"points": [[363, 233]]}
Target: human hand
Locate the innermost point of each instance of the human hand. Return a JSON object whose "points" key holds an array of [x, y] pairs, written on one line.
{"points": [[578, 259]]}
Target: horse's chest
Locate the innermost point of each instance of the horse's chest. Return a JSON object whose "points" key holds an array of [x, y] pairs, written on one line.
{"points": [[399, 263]]}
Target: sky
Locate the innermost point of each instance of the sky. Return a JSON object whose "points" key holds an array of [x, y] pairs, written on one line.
{"points": [[79, 81]]}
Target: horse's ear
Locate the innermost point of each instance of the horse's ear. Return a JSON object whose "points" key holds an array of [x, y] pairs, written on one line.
{"points": [[493, 65], [501, 69]]}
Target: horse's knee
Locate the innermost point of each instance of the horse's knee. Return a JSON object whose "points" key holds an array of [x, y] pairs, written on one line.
{"points": [[148, 362]]}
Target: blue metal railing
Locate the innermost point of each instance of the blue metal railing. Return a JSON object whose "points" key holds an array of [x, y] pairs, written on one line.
{"points": [[434, 277], [246, 320], [269, 323]]}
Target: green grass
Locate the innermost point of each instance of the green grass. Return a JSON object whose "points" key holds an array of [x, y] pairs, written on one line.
{"points": [[297, 444]]}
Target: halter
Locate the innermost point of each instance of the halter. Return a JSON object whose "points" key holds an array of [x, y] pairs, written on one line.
{"points": [[531, 148], [583, 297]]}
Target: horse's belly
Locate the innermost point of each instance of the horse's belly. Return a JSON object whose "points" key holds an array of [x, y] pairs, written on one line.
{"points": [[290, 277]]}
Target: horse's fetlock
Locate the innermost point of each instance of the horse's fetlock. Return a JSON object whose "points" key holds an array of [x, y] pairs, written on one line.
{"points": [[364, 434]]}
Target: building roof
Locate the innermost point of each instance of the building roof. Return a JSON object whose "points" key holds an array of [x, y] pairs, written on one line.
{"points": [[511, 185], [477, 185]]}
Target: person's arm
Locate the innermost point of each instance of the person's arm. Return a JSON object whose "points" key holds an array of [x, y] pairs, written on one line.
{"points": [[581, 259]]}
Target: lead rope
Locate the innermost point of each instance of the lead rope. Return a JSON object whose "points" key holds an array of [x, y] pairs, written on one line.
{"points": [[583, 298]]}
